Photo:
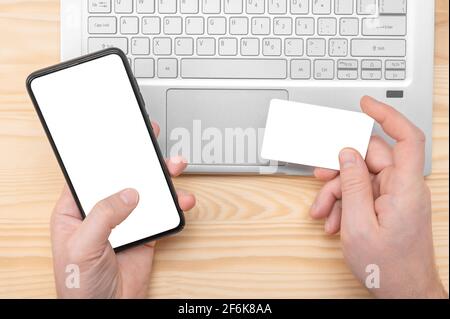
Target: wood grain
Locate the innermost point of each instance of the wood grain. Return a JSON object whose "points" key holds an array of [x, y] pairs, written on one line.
{"points": [[247, 237]]}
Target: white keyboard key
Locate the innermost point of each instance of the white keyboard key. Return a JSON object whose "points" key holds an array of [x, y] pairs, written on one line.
{"points": [[316, 47], [384, 26], [271, 46], [301, 69], [326, 26], [277, 6], [343, 6], [172, 25], [321, 6], [96, 44], [282, 26], [396, 64], [140, 46], [151, 25], [366, 6], [347, 70], [238, 25], [304, 26], [234, 68], [249, 46], [347, 74], [184, 46], [293, 47], [349, 26], [123, 6], [99, 6], [145, 6], [299, 6], [194, 25], [144, 68], [323, 69], [189, 6], [392, 6], [227, 46], [348, 64], [206, 46], [211, 6], [162, 46], [167, 68], [371, 65], [371, 74], [260, 26], [378, 47], [254, 6], [217, 25], [102, 25], [338, 47], [395, 75], [129, 25], [167, 6], [233, 6]]}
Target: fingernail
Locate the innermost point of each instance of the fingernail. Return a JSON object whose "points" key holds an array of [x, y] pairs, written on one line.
{"points": [[369, 98], [347, 158], [178, 160], [129, 196]]}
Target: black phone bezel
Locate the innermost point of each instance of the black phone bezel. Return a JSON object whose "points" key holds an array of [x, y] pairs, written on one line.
{"points": [[140, 101]]}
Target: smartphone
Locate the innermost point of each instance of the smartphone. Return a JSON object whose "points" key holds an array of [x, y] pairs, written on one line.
{"points": [[95, 119]]}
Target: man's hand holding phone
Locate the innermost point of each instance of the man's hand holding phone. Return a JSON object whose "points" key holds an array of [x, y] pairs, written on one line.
{"points": [[83, 245]]}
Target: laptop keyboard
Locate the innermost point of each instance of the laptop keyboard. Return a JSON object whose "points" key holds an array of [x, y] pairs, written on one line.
{"points": [[254, 39]]}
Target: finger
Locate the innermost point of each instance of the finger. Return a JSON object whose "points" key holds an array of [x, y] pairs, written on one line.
{"points": [[106, 214], [325, 199], [357, 198], [186, 200], [333, 223], [176, 165], [376, 184], [384, 204], [66, 205], [379, 155], [141, 255], [409, 150], [156, 128], [325, 174]]}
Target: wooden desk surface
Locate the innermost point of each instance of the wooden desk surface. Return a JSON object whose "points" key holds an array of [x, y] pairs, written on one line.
{"points": [[248, 237]]}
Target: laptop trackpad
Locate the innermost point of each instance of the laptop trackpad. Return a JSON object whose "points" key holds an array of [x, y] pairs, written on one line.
{"points": [[218, 126]]}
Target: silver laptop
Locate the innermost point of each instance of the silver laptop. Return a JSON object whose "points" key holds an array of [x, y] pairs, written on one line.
{"points": [[208, 69]]}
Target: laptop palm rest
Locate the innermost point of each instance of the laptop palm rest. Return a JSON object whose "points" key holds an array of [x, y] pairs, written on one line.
{"points": [[218, 126]]}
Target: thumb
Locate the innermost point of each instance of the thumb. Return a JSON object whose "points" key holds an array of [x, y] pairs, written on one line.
{"points": [[106, 214], [358, 212]]}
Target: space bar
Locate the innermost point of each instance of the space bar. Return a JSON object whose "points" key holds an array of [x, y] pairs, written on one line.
{"points": [[233, 68]]}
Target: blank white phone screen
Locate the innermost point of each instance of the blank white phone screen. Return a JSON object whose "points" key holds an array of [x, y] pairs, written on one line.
{"points": [[97, 126]]}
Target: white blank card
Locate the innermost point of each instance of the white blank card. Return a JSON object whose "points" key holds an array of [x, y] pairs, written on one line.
{"points": [[313, 135]]}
